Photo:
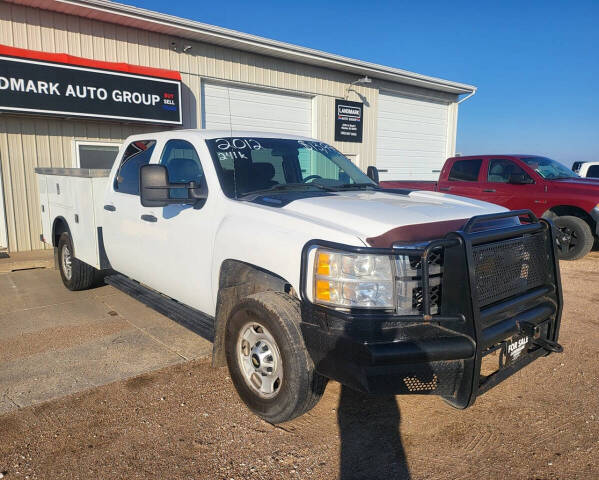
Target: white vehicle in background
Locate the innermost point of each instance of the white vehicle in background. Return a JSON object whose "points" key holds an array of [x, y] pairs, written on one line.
{"points": [[300, 268], [586, 169]]}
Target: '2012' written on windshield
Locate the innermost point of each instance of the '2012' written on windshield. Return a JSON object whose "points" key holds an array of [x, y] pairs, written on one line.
{"points": [[231, 148]]}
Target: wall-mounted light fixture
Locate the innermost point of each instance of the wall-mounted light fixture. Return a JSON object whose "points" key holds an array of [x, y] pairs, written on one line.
{"points": [[187, 48], [360, 81]]}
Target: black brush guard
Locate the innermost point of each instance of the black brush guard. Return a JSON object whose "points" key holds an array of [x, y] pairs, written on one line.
{"points": [[496, 283]]}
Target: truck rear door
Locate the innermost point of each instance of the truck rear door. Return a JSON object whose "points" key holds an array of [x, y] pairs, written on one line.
{"points": [[463, 178]]}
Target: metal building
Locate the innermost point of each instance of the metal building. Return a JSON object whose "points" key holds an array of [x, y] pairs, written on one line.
{"points": [[407, 122]]}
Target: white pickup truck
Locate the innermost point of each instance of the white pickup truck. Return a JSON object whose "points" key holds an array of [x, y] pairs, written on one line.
{"points": [[300, 268], [586, 169]]}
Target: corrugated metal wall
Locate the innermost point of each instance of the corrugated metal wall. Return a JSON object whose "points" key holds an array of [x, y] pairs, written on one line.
{"points": [[27, 142]]}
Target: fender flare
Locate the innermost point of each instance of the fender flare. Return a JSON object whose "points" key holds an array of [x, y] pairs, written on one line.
{"points": [[59, 220], [237, 280], [591, 218]]}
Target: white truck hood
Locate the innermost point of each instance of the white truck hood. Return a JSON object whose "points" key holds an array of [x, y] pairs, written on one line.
{"points": [[373, 213]]}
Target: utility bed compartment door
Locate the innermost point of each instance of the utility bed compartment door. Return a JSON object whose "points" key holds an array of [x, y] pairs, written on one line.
{"points": [[42, 185], [73, 197]]}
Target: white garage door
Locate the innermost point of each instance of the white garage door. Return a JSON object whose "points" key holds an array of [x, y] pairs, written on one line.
{"points": [[411, 141], [257, 110]]}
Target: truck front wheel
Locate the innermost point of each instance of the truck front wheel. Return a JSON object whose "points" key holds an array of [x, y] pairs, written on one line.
{"points": [[76, 275], [268, 361], [574, 237]]}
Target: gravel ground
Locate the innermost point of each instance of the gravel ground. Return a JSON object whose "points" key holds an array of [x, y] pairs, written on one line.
{"points": [[186, 422]]}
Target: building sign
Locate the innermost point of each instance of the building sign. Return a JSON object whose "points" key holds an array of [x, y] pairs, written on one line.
{"points": [[348, 121], [58, 84]]}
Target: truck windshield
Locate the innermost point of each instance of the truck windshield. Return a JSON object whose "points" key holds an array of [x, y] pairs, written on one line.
{"points": [[549, 169], [252, 165]]}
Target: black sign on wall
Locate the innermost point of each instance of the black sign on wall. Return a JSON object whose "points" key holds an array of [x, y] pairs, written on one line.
{"points": [[348, 121], [74, 91]]}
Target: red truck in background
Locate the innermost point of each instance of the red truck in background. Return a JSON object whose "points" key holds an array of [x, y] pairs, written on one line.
{"points": [[542, 185]]}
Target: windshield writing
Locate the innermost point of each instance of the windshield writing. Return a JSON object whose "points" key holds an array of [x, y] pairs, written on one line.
{"points": [[254, 165]]}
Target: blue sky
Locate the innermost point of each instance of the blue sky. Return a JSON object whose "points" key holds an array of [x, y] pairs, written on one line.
{"points": [[535, 63]]}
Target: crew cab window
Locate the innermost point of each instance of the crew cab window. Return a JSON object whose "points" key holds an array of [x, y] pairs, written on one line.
{"points": [[465, 171], [183, 165], [593, 171], [138, 153], [501, 169]]}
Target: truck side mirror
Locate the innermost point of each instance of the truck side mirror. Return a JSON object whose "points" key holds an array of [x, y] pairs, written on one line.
{"points": [[520, 179], [153, 186], [373, 173]]}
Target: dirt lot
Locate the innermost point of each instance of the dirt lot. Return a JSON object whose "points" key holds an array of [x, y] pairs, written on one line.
{"points": [[186, 422]]}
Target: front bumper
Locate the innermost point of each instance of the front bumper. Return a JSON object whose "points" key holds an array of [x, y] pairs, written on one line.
{"points": [[442, 354]]}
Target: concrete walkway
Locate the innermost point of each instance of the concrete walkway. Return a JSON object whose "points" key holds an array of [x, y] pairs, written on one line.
{"points": [[54, 342], [10, 262]]}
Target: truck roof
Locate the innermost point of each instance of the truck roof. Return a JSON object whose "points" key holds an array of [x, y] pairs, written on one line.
{"points": [[511, 155], [206, 134]]}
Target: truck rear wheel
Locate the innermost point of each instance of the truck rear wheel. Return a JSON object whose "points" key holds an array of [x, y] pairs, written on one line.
{"points": [[75, 274], [268, 361], [574, 237]]}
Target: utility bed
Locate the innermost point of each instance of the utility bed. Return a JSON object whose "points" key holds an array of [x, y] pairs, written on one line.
{"points": [[75, 195]]}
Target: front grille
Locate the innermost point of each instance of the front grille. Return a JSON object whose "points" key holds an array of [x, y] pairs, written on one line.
{"points": [[507, 268], [435, 261], [409, 283], [435, 296]]}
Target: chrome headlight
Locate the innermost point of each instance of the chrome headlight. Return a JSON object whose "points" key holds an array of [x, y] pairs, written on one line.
{"points": [[353, 280]]}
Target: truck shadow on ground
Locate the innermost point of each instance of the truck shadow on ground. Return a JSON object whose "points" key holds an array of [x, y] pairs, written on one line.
{"points": [[369, 430], [369, 425]]}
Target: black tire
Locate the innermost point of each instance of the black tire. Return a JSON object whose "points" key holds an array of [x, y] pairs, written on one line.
{"points": [[301, 387], [81, 276], [574, 237]]}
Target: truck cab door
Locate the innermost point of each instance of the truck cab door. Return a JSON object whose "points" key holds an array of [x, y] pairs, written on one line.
{"points": [[499, 190], [120, 221], [463, 178], [176, 250]]}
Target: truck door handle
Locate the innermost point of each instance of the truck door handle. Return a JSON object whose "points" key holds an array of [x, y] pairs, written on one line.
{"points": [[489, 190], [110, 208], [445, 189], [149, 218]]}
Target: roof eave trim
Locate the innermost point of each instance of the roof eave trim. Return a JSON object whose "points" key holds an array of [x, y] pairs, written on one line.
{"points": [[242, 41]]}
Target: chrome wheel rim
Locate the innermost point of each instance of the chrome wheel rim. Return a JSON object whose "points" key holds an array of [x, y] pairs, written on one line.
{"points": [[260, 360], [67, 262]]}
